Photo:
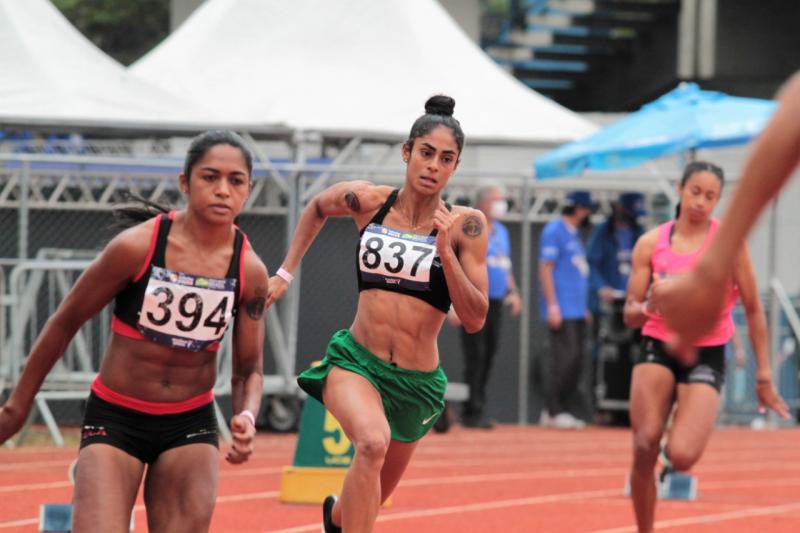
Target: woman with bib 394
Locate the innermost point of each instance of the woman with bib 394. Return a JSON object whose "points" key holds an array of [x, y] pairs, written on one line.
{"points": [[660, 380], [179, 280], [381, 378]]}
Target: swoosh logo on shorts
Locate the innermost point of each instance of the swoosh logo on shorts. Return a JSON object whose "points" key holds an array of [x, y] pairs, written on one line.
{"points": [[425, 422]]}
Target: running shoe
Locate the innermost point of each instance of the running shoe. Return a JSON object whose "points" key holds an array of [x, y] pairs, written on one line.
{"points": [[327, 513]]}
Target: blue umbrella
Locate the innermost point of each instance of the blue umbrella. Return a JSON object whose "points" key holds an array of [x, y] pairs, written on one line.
{"points": [[685, 118]]}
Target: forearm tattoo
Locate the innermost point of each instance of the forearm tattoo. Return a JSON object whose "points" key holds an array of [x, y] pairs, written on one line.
{"points": [[255, 306], [351, 199], [472, 227]]}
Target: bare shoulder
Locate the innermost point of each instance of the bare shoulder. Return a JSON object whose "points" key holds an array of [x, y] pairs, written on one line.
{"points": [[354, 198], [471, 221], [255, 269], [131, 246], [364, 196], [647, 242]]}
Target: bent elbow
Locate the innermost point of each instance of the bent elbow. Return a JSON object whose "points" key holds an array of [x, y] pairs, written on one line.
{"points": [[474, 326]]}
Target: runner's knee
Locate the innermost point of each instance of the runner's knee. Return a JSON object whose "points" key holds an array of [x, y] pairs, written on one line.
{"points": [[681, 456], [372, 447], [645, 449]]}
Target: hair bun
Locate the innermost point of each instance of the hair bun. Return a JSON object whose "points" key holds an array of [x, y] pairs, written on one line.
{"points": [[440, 105]]}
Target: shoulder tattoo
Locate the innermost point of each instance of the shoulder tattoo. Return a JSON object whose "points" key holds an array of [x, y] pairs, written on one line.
{"points": [[255, 305], [472, 227], [351, 199]]}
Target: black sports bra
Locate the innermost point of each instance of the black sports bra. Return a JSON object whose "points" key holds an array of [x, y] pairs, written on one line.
{"points": [[400, 261], [176, 309]]}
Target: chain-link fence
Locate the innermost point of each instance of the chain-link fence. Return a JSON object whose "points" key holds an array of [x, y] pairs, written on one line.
{"points": [[55, 209]]}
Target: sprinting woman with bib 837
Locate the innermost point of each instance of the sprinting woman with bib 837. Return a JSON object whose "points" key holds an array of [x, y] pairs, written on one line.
{"points": [[416, 255]]}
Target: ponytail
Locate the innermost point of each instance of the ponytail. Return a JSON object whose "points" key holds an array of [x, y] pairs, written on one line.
{"points": [[141, 210]]}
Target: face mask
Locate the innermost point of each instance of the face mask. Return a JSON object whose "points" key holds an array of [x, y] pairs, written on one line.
{"points": [[498, 209]]}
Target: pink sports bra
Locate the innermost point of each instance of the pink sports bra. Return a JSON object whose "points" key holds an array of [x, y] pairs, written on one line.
{"points": [[664, 262]]}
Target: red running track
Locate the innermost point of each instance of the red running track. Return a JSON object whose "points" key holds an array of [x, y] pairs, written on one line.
{"points": [[510, 479]]}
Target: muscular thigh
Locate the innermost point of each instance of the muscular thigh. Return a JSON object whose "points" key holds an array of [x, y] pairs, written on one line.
{"points": [[183, 480], [355, 403], [651, 398], [106, 483], [694, 418]]}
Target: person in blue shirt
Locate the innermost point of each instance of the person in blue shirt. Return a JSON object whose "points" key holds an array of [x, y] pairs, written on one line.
{"points": [[608, 252], [564, 277], [480, 347]]}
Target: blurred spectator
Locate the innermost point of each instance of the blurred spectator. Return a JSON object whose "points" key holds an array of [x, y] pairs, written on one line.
{"points": [[609, 250], [563, 274], [480, 348], [609, 254]]}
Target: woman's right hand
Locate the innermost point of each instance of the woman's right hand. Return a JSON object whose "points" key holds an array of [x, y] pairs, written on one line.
{"points": [[277, 288], [554, 318]]}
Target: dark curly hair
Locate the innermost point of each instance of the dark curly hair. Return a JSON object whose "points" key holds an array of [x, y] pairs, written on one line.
{"points": [[438, 112]]}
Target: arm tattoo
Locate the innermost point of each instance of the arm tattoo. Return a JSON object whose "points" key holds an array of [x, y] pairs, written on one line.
{"points": [[472, 226], [351, 199], [255, 306]]}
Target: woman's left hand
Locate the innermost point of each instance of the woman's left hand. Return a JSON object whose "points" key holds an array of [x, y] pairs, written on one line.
{"points": [[768, 397], [443, 221], [243, 432]]}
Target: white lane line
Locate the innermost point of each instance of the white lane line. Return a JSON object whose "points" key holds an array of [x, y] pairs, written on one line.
{"points": [[712, 518], [249, 496], [16, 466], [36, 486], [472, 508], [19, 523], [141, 509], [509, 476]]}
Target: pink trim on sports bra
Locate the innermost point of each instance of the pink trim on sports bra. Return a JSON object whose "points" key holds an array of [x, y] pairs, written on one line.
{"points": [[151, 408], [150, 251]]}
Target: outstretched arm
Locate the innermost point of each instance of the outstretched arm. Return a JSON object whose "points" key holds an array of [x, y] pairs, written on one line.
{"points": [[692, 303], [247, 381], [348, 198], [96, 286], [757, 327]]}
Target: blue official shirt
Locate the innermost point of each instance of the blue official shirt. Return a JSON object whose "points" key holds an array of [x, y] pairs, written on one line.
{"points": [[625, 242], [498, 261], [561, 245]]}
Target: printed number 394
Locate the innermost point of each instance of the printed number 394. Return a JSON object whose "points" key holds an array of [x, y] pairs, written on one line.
{"points": [[190, 307]]}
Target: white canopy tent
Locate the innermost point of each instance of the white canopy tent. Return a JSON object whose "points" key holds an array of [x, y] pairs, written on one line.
{"points": [[349, 68], [357, 71], [51, 75]]}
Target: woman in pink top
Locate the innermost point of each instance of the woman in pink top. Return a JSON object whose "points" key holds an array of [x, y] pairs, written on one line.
{"points": [[660, 380]]}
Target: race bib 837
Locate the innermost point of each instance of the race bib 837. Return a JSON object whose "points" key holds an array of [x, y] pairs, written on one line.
{"points": [[396, 258], [184, 311]]}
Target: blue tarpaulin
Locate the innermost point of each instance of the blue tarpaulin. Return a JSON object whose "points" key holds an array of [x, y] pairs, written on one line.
{"points": [[685, 118]]}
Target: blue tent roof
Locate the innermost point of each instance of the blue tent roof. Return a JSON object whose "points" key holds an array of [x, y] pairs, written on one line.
{"points": [[683, 119]]}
